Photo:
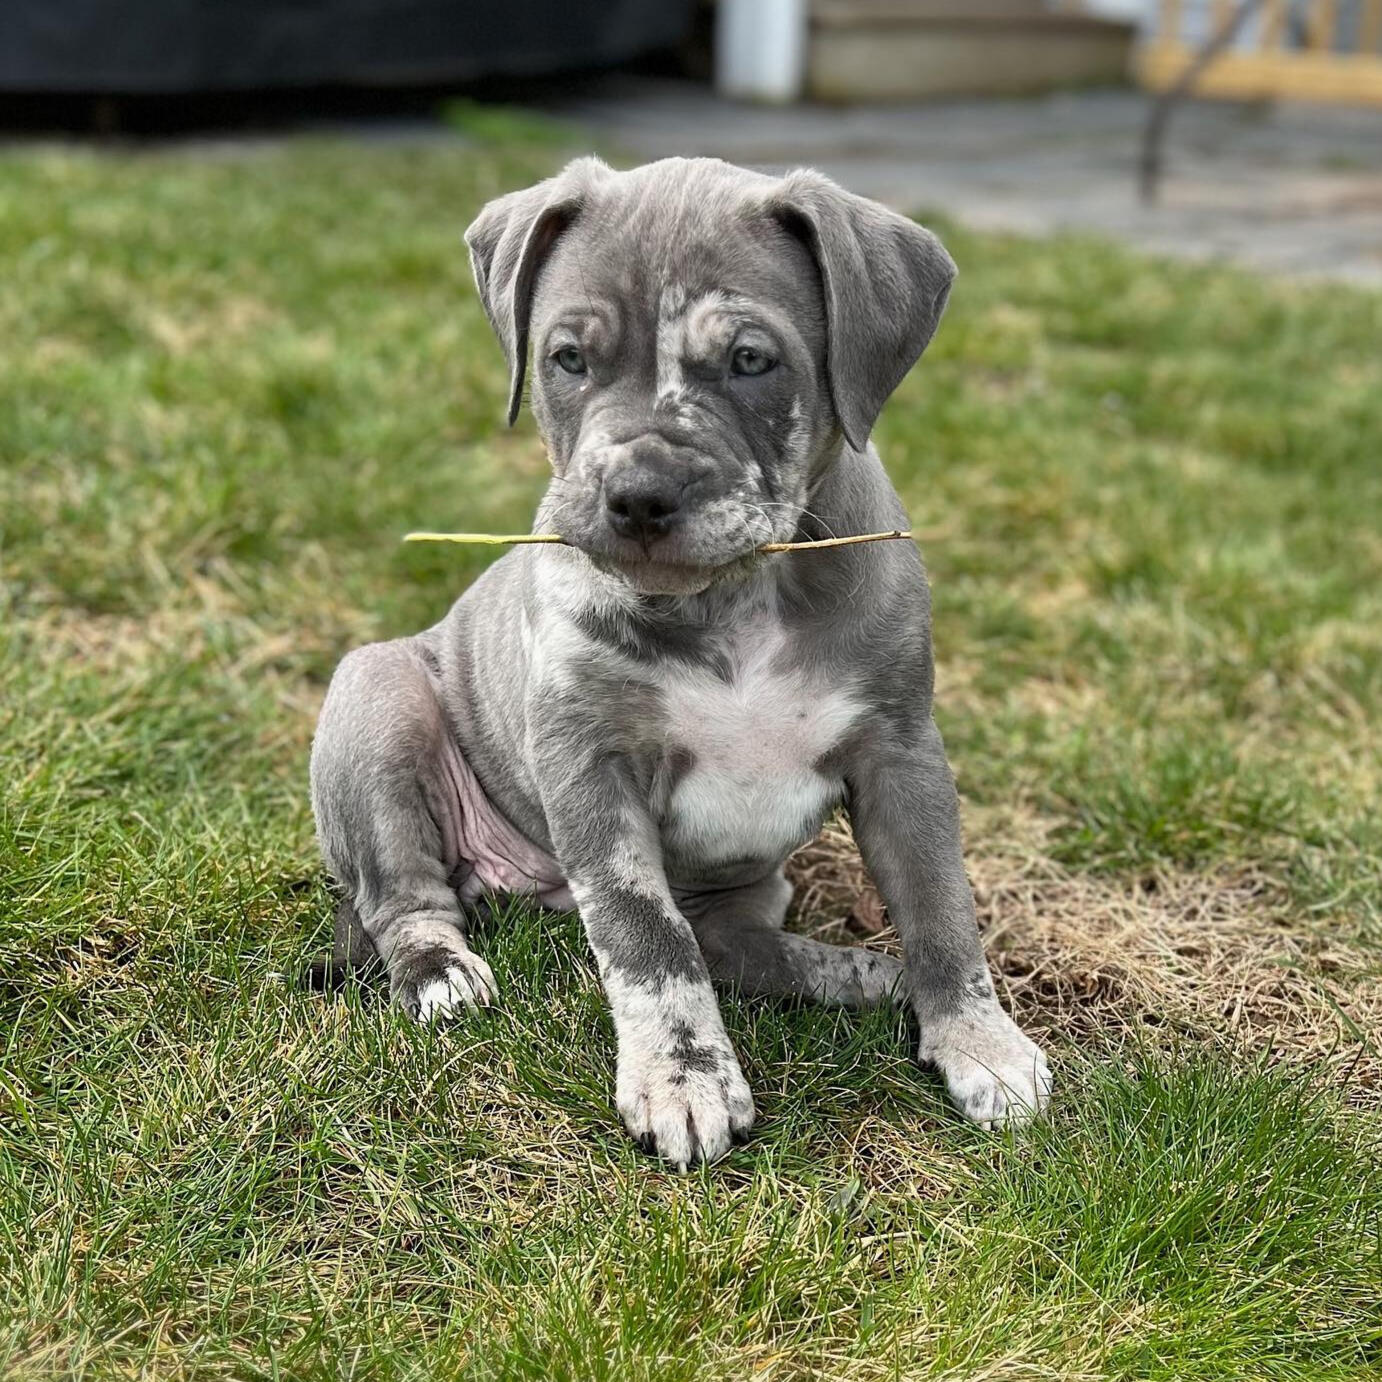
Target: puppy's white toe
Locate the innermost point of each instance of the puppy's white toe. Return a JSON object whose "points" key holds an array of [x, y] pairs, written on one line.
{"points": [[684, 1116], [994, 1072], [467, 982]]}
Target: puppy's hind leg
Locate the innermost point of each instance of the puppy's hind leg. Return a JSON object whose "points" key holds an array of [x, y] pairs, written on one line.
{"points": [[740, 935], [385, 809]]}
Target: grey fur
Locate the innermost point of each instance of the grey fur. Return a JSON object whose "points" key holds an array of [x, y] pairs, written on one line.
{"points": [[663, 710]]}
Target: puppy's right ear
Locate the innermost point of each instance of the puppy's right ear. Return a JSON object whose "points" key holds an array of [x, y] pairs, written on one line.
{"points": [[508, 242]]}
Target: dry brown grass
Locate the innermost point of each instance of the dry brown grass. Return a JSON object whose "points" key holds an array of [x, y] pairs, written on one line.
{"points": [[1218, 957]]}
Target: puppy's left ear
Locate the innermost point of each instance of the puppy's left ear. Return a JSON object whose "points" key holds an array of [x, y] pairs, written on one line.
{"points": [[508, 242], [886, 281]]}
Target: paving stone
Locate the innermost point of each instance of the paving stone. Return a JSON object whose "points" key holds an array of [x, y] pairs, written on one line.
{"points": [[1284, 189]]}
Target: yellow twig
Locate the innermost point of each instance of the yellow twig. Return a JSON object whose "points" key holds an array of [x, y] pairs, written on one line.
{"points": [[835, 541], [507, 539], [484, 539]]}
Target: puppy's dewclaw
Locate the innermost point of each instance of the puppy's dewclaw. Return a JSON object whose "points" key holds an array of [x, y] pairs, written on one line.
{"points": [[634, 711]]}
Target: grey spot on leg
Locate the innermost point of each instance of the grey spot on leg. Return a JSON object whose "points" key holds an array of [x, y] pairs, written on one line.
{"points": [[691, 1054]]}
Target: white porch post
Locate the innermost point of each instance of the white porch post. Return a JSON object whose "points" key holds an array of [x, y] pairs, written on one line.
{"points": [[760, 49]]}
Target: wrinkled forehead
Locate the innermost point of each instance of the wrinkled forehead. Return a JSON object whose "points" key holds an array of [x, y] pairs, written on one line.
{"points": [[644, 262]]}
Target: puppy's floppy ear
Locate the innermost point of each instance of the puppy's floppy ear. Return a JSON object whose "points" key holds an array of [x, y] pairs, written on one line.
{"points": [[886, 280], [508, 242]]}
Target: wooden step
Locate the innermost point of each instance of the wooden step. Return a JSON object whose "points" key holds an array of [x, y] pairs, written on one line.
{"points": [[898, 50], [924, 9]]}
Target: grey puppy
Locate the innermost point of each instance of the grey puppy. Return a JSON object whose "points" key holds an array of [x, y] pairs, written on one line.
{"points": [[645, 723]]}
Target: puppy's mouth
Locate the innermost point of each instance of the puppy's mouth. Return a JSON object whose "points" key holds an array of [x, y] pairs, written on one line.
{"points": [[651, 574], [692, 554]]}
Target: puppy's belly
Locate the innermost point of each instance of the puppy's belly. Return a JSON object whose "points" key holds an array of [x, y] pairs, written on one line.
{"points": [[721, 815], [484, 851]]}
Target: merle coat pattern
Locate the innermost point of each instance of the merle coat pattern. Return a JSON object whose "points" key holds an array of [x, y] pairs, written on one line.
{"points": [[645, 723]]}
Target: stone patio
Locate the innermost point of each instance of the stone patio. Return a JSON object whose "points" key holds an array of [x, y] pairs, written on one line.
{"points": [[1284, 189]]}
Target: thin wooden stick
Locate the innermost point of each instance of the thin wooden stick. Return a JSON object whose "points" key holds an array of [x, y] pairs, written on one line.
{"points": [[483, 539], [835, 541], [512, 539]]}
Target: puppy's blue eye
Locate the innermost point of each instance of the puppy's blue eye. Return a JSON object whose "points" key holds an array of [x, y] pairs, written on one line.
{"points": [[570, 359], [747, 360]]}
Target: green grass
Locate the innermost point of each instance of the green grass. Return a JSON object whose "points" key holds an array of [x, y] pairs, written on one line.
{"points": [[228, 382]]}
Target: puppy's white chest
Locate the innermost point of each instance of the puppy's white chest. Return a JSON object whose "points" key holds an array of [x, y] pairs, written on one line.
{"points": [[752, 788]]}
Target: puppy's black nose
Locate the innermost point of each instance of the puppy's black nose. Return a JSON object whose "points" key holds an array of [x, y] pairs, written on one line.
{"points": [[642, 501]]}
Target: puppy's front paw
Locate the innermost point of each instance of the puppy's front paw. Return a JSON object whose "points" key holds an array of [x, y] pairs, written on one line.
{"points": [[994, 1071], [442, 982], [686, 1104]]}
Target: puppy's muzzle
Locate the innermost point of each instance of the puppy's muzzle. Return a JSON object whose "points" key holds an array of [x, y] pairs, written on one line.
{"points": [[651, 488]]}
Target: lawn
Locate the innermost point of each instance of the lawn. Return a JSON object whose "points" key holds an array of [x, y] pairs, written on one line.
{"points": [[1152, 505]]}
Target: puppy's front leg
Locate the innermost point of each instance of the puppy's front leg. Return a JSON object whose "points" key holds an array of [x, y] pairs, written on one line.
{"points": [[680, 1091], [906, 819]]}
